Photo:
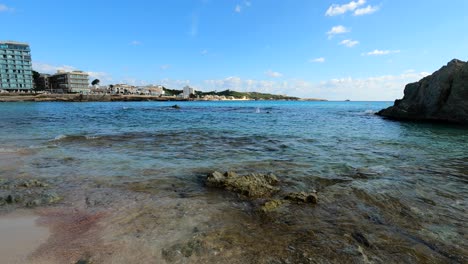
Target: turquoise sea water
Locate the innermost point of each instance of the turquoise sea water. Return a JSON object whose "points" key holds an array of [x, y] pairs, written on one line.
{"points": [[321, 138], [338, 148]]}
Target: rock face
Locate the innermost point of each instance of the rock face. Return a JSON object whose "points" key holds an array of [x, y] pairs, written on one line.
{"points": [[442, 96]]}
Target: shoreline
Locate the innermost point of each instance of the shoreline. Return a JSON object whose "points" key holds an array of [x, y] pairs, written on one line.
{"points": [[114, 98]]}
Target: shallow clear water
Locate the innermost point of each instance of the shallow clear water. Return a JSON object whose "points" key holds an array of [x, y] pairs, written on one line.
{"points": [[339, 148], [321, 138]]}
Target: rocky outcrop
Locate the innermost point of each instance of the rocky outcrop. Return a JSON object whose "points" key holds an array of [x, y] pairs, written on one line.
{"points": [[263, 189], [442, 97], [252, 185]]}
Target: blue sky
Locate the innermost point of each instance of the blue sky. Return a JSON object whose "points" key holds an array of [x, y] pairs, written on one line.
{"points": [[333, 49]]}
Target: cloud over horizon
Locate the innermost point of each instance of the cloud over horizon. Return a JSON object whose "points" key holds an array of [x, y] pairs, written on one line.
{"points": [[383, 88], [52, 69]]}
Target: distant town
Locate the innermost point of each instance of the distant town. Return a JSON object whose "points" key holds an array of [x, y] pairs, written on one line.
{"points": [[19, 78]]}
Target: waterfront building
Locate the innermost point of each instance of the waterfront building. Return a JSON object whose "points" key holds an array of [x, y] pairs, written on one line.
{"points": [[43, 82], [122, 88], [15, 66], [153, 90], [187, 92], [69, 82]]}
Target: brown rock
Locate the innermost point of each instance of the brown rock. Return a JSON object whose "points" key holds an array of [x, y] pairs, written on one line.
{"points": [[253, 185], [442, 96], [302, 197]]}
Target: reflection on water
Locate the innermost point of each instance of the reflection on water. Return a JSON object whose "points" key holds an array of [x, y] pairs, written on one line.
{"points": [[388, 191]]}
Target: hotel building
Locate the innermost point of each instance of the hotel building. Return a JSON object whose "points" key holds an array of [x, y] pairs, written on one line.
{"points": [[69, 82], [15, 66]]}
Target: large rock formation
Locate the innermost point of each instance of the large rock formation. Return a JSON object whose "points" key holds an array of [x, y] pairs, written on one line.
{"points": [[442, 96]]}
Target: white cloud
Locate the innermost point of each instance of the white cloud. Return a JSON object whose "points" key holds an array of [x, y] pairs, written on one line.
{"points": [[349, 43], [204, 52], [240, 7], [51, 69], [238, 84], [385, 87], [335, 9], [133, 81], [5, 8], [135, 43], [318, 60], [366, 11], [104, 77], [337, 30], [380, 52], [273, 74], [165, 67]]}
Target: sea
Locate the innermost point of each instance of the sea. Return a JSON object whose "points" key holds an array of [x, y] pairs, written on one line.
{"points": [[388, 190]]}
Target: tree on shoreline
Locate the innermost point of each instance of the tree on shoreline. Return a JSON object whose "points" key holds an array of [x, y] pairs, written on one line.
{"points": [[38, 86]]}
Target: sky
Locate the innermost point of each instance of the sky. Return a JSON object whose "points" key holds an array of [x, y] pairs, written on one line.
{"points": [[331, 49]]}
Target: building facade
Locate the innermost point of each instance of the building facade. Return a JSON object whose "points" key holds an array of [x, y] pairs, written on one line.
{"points": [[43, 82], [187, 92], [69, 82], [15, 66], [153, 90]]}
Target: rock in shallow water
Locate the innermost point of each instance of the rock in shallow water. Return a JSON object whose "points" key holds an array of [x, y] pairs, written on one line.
{"points": [[442, 96], [271, 205], [302, 197], [261, 187], [27, 192], [254, 185]]}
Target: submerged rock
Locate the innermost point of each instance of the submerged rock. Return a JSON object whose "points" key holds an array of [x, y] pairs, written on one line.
{"points": [[26, 192], [46, 198], [442, 96], [302, 197], [253, 185], [182, 251], [32, 183], [272, 205]]}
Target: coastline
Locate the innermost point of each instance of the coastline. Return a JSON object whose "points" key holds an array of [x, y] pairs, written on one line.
{"points": [[114, 98]]}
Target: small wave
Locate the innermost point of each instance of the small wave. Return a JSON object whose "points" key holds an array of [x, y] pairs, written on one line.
{"points": [[59, 137], [370, 112], [8, 150], [92, 137], [74, 137]]}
